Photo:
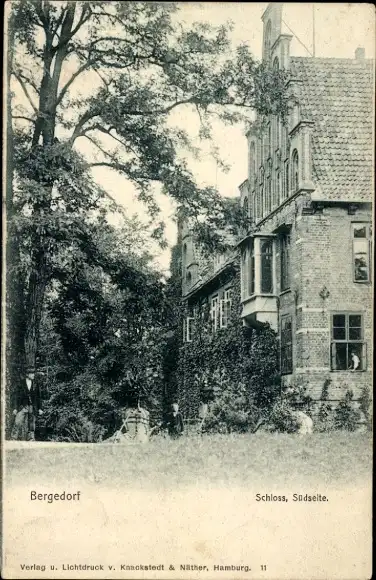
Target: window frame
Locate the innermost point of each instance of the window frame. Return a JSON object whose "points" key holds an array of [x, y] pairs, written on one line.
{"points": [[347, 340], [188, 330], [269, 241], [368, 238], [225, 308], [295, 178], [214, 312]]}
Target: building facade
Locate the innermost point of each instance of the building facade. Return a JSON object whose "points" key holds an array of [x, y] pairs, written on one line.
{"points": [[306, 260], [305, 263], [207, 283]]}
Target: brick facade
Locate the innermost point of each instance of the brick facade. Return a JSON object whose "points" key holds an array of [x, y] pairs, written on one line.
{"points": [[309, 183]]}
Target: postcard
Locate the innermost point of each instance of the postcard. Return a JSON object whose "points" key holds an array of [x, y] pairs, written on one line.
{"points": [[187, 298]]}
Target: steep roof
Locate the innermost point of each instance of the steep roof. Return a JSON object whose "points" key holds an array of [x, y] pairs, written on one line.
{"points": [[337, 95]]}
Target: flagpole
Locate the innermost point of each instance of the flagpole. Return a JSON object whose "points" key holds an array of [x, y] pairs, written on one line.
{"points": [[313, 29]]}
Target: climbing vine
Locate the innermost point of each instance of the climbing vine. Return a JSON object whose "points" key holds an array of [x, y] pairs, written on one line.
{"points": [[235, 367]]}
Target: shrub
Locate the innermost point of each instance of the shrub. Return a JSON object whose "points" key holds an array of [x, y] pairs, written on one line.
{"points": [[346, 416], [325, 416], [234, 369], [282, 418], [365, 406]]}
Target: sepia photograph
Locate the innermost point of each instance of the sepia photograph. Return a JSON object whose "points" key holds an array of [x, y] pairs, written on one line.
{"points": [[187, 325]]}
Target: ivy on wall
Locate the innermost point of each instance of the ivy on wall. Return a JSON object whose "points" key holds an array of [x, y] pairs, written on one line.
{"points": [[237, 364]]}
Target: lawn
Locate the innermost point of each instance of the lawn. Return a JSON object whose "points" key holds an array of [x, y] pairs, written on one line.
{"points": [[241, 460]]}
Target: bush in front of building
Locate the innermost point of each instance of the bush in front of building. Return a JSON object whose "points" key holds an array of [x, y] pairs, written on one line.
{"points": [[346, 416], [365, 406], [324, 420], [234, 370]]}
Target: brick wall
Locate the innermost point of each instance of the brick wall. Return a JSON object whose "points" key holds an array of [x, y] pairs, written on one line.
{"points": [[323, 268]]}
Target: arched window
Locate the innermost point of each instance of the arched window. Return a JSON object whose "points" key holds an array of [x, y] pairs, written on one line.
{"points": [[276, 63], [189, 278], [268, 40], [277, 188], [286, 188], [295, 171]]}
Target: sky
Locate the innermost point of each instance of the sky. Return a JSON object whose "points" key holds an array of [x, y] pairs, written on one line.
{"points": [[339, 29]]}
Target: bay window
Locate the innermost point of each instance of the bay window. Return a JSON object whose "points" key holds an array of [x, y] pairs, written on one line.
{"points": [[258, 267]]}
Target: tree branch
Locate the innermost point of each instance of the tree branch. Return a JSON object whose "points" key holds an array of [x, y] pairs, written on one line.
{"points": [[24, 88], [72, 79], [24, 118], [77, 132]]}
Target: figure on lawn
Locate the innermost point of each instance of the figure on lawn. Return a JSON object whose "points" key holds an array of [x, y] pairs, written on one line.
{"points": [[174, 422]]}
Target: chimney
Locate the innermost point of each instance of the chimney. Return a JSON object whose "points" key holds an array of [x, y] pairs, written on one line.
{"points": [[360, 53]]}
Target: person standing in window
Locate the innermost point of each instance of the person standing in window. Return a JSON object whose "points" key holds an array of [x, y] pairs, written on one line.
{"points": [[355, 362]]}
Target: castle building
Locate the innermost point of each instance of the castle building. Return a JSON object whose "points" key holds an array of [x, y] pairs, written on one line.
{"points": [[306, 261], [207, 282]]}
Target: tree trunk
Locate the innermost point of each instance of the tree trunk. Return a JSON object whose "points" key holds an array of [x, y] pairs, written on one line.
{"points": [[15, 324]]}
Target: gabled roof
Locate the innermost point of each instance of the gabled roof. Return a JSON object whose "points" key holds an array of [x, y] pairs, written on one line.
{"points": [[337, 95]]}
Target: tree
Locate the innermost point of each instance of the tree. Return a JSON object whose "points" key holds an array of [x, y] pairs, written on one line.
{"points": [[138, 64]]}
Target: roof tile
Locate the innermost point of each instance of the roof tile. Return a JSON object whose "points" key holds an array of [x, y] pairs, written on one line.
{"points": [[337, 95]]}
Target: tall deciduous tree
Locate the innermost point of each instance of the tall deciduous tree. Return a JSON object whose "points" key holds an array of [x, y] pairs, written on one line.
{"points": [[110, 73]]}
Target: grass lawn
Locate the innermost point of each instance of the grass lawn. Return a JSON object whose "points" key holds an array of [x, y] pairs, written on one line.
{"points": [[240, 460]]}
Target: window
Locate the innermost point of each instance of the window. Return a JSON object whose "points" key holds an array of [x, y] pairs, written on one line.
{"points": [[214, 313], [276, 63], [266, 266], [253, 207], [348, 350], [277, 188], [268, 196], [361, 233], [285, 261], [251, 273], [295, 171], [244, 274], [189, 278], [188, 329], [261, 202], [226, 304], [287, 180], [286, 345]]}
